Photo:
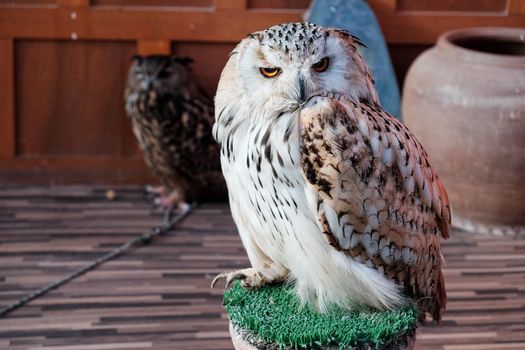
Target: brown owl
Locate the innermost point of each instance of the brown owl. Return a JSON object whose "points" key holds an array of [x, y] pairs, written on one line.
{"points": [[172, 119]]}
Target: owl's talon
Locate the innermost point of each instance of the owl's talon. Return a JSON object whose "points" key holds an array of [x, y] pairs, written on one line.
{"points": [[249, 277], [154, 190], [216, 278], [173, 201], [183, 206], [158, 201], [229, 277]]}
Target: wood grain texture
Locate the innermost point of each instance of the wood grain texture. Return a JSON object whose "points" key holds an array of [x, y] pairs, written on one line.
{"points": [[27, 2], [225, 5], [278, 4], [516, 6], [205, 29], [115, 23], [149, 3], [73, 3], [158, 296], [53, 82], [75, 170], [7, 98], [452, 5], [232, 22], [209, 60], [154, 47]]}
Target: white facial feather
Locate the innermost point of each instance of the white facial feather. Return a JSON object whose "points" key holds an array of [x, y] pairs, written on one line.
{"points": [[294, 53]]}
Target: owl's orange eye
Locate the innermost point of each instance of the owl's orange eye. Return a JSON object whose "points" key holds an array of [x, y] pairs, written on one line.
{"points": [[270, 72], [322, 65]]}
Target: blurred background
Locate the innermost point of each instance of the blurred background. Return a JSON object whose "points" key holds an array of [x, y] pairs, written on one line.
{"points": [[63, 70], [63, 67]]}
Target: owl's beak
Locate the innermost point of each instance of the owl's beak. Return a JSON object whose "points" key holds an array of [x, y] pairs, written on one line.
{"points": [[146, 84]]}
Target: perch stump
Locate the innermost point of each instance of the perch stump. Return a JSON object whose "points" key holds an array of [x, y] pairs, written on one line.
{"points": [[273, 318]]}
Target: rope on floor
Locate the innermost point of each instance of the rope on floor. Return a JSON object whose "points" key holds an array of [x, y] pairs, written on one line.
{"points": [[169, 222]]}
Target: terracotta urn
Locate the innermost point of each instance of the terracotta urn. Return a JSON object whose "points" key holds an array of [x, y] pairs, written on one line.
{"points": [[465, 101]]}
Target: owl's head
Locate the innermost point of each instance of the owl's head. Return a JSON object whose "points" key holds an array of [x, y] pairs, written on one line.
{"points": [[162, 74], [285, 64]]}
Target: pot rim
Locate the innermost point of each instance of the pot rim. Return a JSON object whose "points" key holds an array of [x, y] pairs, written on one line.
{"points": [[446, 43]]}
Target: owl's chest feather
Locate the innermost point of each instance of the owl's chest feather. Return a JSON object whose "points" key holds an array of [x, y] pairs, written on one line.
{"points": [[261, 164], [265, 156]]}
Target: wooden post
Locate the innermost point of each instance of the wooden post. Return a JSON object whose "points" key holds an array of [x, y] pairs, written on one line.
{"points": [[391, 5], [73, 3], [516, 7], [154, 47], [221, 5], [7, 100], [387, 6]]}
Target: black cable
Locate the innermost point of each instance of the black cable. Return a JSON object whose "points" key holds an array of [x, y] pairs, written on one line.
{"points": [[169, 222]]}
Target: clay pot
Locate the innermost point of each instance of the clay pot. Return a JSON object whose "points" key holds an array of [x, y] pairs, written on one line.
{"points": [[465, 101]]}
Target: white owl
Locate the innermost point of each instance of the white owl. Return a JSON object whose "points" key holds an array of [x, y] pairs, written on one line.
{"points": [[327, 190]]}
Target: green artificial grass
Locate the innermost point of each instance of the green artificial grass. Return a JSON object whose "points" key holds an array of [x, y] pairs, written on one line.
{"points": [[274, 314]]}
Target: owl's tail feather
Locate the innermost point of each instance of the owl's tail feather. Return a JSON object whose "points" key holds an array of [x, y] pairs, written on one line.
{"points": [[440, 301], [444, 215]]}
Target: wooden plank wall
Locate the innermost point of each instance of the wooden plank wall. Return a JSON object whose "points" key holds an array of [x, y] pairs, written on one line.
{"points": [[63, 64]]}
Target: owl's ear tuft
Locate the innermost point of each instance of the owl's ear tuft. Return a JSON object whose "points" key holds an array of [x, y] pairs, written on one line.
{"points": [[256, 36], [345, 34], [184, 60], [137, 58], [358, 41]]}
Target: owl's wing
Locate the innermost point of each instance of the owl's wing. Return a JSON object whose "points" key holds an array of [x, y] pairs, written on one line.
{"points": [[379, 199]]}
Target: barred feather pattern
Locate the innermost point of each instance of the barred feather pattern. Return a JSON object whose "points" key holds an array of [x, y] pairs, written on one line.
{"points": [[379, 199]]}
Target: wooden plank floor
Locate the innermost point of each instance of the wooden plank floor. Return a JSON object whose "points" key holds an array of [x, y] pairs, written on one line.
{"points": [[158, 296]]}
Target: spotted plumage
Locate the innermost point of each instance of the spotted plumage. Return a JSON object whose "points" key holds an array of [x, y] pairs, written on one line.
{"points": [[172, 119], [327, 189]]}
